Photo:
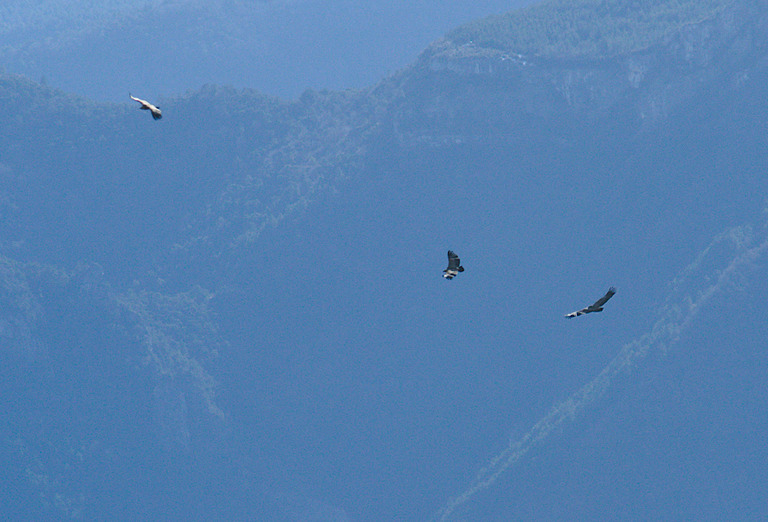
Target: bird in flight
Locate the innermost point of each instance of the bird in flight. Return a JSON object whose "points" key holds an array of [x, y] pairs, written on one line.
{"points": [[454, 266], [145, 105], [597, 306]]}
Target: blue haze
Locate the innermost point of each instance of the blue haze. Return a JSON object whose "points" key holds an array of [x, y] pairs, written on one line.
{"points": [[157, 367], [279, 47]]}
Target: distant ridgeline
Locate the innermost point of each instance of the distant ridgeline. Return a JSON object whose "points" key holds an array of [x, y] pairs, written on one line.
{"points": [[18, 18], [585, 28], [560, 64]]}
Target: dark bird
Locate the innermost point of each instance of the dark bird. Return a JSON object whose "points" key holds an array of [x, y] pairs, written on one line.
{"points": [[596, 307], [145, 105], [454, 266]]}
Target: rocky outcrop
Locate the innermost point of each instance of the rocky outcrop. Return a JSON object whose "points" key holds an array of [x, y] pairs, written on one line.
{"points": [[641, 88]]}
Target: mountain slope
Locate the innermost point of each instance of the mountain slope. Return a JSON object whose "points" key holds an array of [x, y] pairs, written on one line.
{"points": [[588, 29], [236, 312], [106, 178]]}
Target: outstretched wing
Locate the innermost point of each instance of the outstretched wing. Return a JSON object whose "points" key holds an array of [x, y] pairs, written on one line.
{"points": [[596, 307], [600, 302], [453, 261], [156, 113]]}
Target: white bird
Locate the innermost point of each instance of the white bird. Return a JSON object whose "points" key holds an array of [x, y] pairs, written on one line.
{"points": [[454, 266], [597, 306], [145, 105]]}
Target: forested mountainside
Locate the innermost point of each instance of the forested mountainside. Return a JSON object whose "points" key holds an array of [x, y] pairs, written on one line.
{"points": [[101, 174], [643, 78], [236, 312], [586, 29]]}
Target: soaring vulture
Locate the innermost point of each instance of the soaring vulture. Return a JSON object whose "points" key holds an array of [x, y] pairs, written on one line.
{"points": [[596, 307], [145, 105], [454, 266]]}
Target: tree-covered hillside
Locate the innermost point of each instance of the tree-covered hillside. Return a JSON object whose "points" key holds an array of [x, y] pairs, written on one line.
{"points": [[585, 28], [102, 173]]}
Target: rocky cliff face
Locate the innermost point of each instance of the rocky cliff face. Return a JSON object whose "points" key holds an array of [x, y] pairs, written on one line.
{"points": [[640, 88]]}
